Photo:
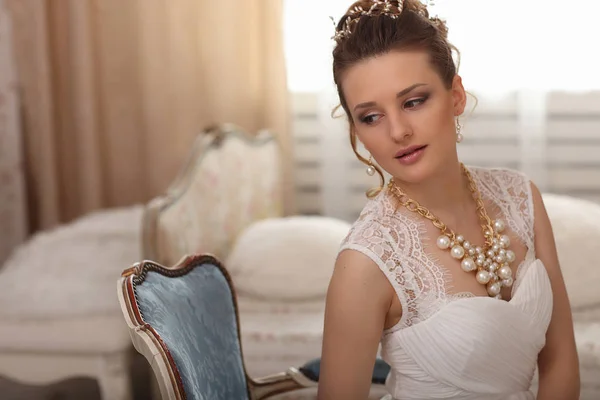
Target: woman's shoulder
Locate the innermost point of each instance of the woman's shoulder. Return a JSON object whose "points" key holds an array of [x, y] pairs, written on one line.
{"points": [[499, 174], [512, 191], [370, 221], [502, 182], [378, 227]]}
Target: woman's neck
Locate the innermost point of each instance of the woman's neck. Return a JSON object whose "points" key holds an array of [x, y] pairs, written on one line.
{"points": [[446, 193]]}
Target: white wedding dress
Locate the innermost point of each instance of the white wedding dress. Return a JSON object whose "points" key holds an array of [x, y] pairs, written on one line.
{"points": [[457, 345]]}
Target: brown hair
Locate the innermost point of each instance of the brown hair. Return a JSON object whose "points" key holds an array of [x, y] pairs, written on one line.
{"points": [[374, 35]]}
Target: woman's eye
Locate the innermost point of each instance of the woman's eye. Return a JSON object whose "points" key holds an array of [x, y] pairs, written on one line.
{"points": [[415, 102], [370, 119]]}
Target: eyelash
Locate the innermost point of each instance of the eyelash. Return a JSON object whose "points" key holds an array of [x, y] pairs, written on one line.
{"points": [[420, 101]]}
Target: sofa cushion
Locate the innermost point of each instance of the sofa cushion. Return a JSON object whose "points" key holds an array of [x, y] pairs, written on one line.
{"points": [[71, 270], [381, 370], [83, 334], [279, 337], [587, 315], [587, 336], [576, 227], [286, 258]]}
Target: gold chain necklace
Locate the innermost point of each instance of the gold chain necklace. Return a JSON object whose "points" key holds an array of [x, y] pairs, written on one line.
{"points": [[492, 261]]}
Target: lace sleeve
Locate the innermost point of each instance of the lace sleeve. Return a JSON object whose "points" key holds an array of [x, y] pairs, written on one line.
{"points": [[511, 190], [518, 187], [373, 237]]}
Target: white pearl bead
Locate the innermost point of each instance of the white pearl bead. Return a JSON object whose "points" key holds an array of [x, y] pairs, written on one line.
{"points": [[494, 267], [499, 225], [495, 248], [502, 252], [508, 282], [457, 252], [468, 264], [471, 252], [478, 250], [483, 277], [505, 272], [459, 138], [494, 288], [370, 171], [467, 245], [490, 253], [504, 241], [460, 239], [443, 242], [499, 258], [510, 256]]}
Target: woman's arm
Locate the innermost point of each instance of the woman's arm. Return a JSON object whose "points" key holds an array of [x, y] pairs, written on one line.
{"points": [[358, 299], [558, 362]]}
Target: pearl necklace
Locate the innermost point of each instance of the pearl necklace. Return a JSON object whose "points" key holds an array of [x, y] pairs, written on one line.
{"points": [[491, 262]]}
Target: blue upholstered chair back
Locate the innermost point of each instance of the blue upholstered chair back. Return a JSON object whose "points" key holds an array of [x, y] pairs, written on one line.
{"points": [[194, 313]]}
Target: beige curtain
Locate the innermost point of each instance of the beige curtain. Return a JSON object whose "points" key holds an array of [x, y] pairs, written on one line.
{"points": [[115, 91], [13, 218]]}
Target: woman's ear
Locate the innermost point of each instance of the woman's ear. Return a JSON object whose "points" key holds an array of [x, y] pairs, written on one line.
{"points": [[459, 96]]}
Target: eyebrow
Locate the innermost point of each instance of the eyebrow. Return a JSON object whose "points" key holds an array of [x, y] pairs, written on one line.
{"points": [[398, 95]]}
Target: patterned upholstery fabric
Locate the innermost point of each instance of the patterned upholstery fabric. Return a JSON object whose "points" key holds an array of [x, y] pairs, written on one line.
{"points": [[195, 316], [231, 181]]}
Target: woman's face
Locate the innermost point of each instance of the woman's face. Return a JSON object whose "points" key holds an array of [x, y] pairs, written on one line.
{"points": [[399, 104]]}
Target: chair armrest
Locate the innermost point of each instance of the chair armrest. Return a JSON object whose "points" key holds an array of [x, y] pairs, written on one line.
{"points": [[304, 377], [290, 380], [312, 370]]}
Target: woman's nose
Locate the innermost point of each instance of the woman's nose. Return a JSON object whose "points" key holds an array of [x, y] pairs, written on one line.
{"points": [[400, 128]]}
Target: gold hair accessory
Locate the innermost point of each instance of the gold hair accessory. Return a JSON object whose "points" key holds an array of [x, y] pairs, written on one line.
{"points": [[378, 7]]}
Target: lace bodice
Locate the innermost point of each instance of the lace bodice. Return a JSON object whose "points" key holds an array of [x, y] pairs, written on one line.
{"points": [[399, 242], [453, 344]]}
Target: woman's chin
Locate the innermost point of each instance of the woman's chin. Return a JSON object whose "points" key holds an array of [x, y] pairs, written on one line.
{"points": [[412, 174]]}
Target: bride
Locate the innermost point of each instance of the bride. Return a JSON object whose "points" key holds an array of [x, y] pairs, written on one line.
{"points": [[451, 268]]}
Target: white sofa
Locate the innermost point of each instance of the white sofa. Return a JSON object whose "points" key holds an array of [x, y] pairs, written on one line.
{"points": [[59, 314]]}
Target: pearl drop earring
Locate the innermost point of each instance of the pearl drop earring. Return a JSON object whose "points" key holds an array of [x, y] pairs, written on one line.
{"points": [[371, 167], [459, 135]]}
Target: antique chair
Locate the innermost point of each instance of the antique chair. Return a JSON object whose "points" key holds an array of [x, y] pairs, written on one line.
{"points": [[226, 199], [184, 320]]}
